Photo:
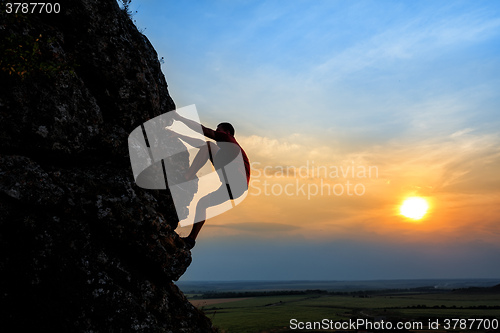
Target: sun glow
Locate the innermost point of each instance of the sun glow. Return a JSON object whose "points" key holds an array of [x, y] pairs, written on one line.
{"points": [[414, 208]]}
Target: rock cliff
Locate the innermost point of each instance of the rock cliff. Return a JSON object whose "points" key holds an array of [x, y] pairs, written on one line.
{"points": [[83, 249]]}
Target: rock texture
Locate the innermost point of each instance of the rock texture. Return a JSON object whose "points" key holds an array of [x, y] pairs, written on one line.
{"points": [[83, 249]]}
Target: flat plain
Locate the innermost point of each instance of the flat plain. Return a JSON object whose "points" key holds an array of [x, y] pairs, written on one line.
{"points": [[274, 313]]}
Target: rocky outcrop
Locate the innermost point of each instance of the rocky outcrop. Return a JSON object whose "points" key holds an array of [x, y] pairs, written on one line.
{"points": [[83, 249]]}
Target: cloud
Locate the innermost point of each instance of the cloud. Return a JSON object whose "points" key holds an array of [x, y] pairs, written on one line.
{"points": [[460, 158], [466, 158], [258, 227], [417, 37], [266, 147], [461, 132]]}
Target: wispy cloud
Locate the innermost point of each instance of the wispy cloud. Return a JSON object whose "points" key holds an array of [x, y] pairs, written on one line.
{"points": [[420, 38], [258, 227]]}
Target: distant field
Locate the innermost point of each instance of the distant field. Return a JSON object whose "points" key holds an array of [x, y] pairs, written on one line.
{"points": [[273, 313], [199, 303]]}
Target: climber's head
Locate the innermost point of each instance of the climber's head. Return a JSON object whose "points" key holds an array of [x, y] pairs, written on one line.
{"points": [[226, 127]]}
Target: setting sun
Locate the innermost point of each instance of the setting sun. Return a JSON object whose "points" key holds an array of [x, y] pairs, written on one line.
{"points": [[414, 208]]}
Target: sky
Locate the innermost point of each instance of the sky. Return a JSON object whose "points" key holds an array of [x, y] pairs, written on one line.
{"points": [[345, 109]]}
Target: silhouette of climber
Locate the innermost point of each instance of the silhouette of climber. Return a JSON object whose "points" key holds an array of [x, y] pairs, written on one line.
{"points": [[234, 176]]}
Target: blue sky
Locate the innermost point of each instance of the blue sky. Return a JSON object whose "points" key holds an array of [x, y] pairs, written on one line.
{"points": [[312, 62], [411, 87]]}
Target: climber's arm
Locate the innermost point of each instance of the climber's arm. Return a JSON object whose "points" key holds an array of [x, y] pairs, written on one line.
{"points": [[194, 142], [209, 133]]}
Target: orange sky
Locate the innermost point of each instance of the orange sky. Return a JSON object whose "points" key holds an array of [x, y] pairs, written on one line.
{"points": [[457, 174]]}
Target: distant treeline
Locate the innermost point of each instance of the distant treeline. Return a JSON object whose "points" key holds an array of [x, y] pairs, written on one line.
{"points": [[473, 307], [312, 292], [234, 294]]}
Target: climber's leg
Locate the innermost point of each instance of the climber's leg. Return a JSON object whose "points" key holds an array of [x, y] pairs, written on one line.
{"points": [[210, 200], [204, 154]]}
